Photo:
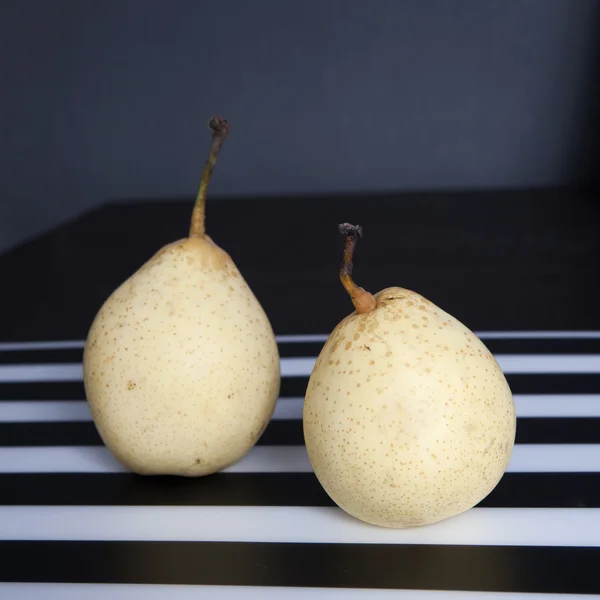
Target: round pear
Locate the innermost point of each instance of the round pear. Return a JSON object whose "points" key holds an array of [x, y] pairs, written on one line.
{"points": [[181, 367], [408, 418]]}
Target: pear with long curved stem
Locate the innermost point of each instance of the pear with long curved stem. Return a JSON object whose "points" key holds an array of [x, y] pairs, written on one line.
{"points": [[408, 418], [181, 366]]}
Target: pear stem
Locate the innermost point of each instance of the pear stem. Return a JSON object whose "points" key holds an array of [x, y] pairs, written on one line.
{"points": [[220, 128], [363, 301]]}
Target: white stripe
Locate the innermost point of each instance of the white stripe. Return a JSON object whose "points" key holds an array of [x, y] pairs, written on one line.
{"points": [[42, 411], [299, 339], [509, 363], [549, 363], [288, 408], [534, 405], [97, 459], [50, 345], [19, 411], [136, 591], [322, 337], [305, 524], [557, 405], [44, 372], [527, 405], [526, 458], [302, 367]]}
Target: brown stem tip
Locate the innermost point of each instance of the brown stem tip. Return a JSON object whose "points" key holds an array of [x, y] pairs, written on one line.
{"points": [[350, 230], [363, 301], [220, 128]]}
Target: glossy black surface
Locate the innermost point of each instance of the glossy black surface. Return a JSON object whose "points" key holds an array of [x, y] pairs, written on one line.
{"points": [[523, 259], [498, 261]]}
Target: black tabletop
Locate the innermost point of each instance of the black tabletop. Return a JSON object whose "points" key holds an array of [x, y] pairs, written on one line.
{"points": [[517, 267]]}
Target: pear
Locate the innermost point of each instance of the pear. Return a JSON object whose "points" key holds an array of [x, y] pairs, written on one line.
{"points": [[181, 367], [408, 419]]}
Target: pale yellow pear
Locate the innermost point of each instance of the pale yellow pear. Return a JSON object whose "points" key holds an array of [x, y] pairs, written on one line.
{"points": [[181, 365], [408, 418]]}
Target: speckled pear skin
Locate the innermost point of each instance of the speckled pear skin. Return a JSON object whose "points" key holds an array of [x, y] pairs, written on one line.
{"points": [[181, 365], [408, 418]]}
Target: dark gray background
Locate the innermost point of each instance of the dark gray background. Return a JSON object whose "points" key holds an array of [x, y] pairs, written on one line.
{"points": [[105, 100]]}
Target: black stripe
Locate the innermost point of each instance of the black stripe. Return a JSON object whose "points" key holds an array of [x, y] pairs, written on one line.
{"points": [[290, 433], [441, 567], [75, 433], [27, 357], [543, 346], [515, 490], [298, 349], [296, 386], [75, 355], [554, 383], [558, 430], [312, 349], [497, 346], [84, 433], [51, 390]]}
